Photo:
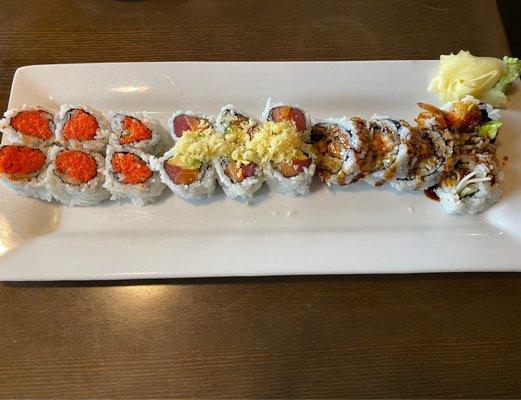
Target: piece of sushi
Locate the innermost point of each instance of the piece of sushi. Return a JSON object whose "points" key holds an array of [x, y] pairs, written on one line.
{"points": [[194, 183], [290, 177], [394, 149], [437, 154], [342, 146], [188, 169], [279, 111], [473, 186], [186, 121], [76, 177], [239, 179], [82, 127], [24, 169], [472, 123], [129, 175], [135, 130], [29, 125]]}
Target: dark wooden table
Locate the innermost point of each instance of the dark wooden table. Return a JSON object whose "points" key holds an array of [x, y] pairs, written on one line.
{"points": [[445, 335]]}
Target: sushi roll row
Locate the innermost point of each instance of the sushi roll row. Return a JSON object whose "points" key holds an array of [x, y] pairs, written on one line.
{"points": [[77, 157], [379, 151], [73, 156], [239, 152], [451, 150], [80, 127]]}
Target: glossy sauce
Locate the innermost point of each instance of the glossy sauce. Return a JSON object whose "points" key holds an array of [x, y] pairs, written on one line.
{"points": [[431, 194]]}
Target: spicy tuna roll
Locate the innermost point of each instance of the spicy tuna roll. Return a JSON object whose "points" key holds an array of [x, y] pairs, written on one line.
{"points": [[280, 111], [394, 149], [29, 125], [76, 177], [239, 175], [290, 165], [188, 169], [187, 121], [24, 169], [82, 127], [342, 147], [473, 186], [134, 130], [192, 182], [129, 175], [288, 162]]}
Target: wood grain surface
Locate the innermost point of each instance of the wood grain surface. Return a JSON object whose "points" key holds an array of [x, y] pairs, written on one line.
{"points": [[415, 336]]}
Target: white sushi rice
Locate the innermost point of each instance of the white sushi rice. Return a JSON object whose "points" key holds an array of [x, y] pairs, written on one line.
{"points": [[141, 193], [429, 171], [34, 186], [200, 189], [245, 189], [99, 143], [88, 194], [404, 154], [12, 136], [151, 146], [475, 184], [270, 104], [190, 113]]}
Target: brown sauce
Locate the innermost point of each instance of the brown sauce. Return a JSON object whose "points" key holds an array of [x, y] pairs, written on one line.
{"points": [[431, 194]]}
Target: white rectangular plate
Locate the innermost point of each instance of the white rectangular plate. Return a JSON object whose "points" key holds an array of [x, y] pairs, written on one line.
{"points": [[357, 230]]}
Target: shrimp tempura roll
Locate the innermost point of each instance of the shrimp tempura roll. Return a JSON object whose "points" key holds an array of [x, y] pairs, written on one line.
{"points": [[342, 147]]}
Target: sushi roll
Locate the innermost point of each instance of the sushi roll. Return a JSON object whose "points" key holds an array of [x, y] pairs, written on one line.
{"points": [[82, 127], [291, 179], [187, 121], [291, 124], [394, 147], [473, 124], [474, 185], [279, 111], [29, 125], [342, 147], [188, 169], [129, 175], [239, 177], [24, 169], [134, 130], [188, 182], [437, 154], [76, 177]]}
